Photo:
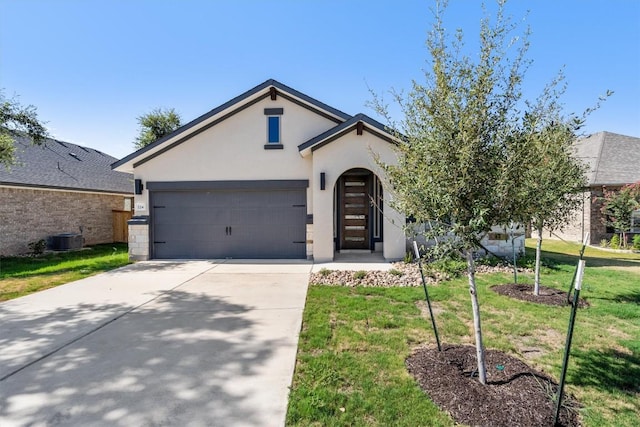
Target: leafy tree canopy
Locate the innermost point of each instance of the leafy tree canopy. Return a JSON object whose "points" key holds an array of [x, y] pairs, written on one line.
{"points": [[617, 208], [467, 149], [155, 125], [17, 120], [458, 132]]}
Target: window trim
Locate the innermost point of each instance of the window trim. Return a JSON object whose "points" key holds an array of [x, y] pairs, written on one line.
{"points": [[269, 129]]}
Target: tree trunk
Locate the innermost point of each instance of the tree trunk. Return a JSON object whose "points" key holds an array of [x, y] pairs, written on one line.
{"points": [[536, 283], [482, 370]]}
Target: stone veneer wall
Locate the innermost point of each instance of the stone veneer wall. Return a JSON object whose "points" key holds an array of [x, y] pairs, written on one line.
{"points": [[578, 225], [503, 247], [309, 241], [28, 215], [138, 241], [497, 241]]}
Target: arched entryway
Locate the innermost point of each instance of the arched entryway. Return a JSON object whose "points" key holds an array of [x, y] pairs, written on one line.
{"points": [[358, 211]]}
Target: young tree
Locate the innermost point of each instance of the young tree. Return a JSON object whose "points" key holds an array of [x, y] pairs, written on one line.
{"points": [[556, 185], [617, 208], [456, 133], [17, 120], [155, 125], [554, 178]]}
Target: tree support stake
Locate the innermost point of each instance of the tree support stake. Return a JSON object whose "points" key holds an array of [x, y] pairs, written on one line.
{"points": [[426, 294], [567, 347]]}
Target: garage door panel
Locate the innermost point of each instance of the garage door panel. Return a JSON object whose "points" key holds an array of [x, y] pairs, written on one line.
{"points": [[189, 232], [220, 224], [186, 249]]}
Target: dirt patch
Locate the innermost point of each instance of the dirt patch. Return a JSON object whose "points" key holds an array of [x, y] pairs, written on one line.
{"points": [[548, 296], [533, 347], [515, 394], [531, 353], [424, 309], [617, 333]]}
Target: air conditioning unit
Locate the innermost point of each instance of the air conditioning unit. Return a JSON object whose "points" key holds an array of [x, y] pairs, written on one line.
{"points": [[67, 241]]}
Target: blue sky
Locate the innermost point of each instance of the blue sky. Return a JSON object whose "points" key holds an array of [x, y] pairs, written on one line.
{"points": [[92, 67]]}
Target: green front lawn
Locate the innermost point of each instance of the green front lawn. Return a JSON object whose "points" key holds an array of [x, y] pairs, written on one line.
{"points": [[21, 276], [354, 341]]}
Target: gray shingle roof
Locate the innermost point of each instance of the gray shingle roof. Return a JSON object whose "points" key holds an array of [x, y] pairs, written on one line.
{"points": [[612, 159], [62, 165]]}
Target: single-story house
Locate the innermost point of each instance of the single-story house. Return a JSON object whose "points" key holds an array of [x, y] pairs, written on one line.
{"points": [[57, 188], [612, 161], [272, 173]]}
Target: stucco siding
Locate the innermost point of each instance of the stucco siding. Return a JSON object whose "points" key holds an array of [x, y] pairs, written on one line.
{"points": [[351, 151], [28, 215], [234, 150]]}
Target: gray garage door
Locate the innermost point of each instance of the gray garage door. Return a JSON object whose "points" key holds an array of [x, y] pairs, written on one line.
{"points": [[229, 224]]}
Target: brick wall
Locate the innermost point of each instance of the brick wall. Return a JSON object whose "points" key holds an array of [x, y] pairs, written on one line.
{"points": [[28, 215], [597, 228], [589, 217]]}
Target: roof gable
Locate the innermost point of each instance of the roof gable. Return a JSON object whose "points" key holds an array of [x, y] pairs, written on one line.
{"points": [[264, 90], [342, 129], [63, 165]]}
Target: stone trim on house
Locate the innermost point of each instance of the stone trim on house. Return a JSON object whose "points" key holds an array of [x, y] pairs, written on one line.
{"points": [[139, 238]]}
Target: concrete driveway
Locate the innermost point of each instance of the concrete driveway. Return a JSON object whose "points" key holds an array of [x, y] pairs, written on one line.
{"points": [[197, 343]]}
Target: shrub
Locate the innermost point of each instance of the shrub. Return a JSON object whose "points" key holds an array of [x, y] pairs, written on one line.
{"points": [[361, 274], [636, 242], [324, 272], [529, 261], [453, 267], [615, 242], [604, 243], [408, 257], [395, 272], [37, 247], [491, 261]]}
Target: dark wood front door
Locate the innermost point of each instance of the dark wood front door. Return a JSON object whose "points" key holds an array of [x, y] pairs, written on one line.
{"points": [[354, 213]]}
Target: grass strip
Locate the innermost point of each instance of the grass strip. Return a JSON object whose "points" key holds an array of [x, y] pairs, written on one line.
{"points": [[354, 341], [21, 276]]}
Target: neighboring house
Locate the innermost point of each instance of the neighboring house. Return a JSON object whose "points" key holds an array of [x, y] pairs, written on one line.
{"points": [[56, 188], [613, 161], [273, 173]]}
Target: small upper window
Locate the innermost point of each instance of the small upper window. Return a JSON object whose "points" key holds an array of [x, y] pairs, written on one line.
{"points": [[273, 129]]}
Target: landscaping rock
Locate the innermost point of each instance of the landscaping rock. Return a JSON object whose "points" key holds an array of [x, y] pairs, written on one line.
{"points": [[400, 275]]}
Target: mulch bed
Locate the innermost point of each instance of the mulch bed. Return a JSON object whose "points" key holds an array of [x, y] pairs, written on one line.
{"points": [[524, 292], [517, 395]]}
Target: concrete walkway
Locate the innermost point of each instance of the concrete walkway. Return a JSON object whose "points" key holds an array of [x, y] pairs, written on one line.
{"points": [[360, 260], [198, 343]]}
